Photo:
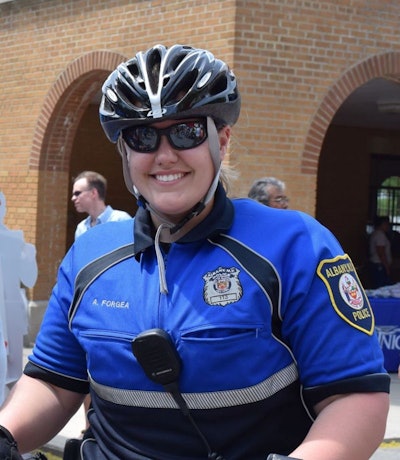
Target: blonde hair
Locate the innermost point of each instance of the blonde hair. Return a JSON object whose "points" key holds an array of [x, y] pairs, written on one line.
{"points": [[228, 176]]}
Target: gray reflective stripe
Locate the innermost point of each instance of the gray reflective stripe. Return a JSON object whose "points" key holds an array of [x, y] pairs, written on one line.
{"points": [[210, 400]]}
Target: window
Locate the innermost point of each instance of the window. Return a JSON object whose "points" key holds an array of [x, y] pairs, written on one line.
{"points": [[388, 201], [384, 191]]}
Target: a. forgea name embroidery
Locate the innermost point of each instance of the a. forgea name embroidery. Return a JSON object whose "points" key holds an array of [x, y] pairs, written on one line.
{"points": [[347, 296], [222, 286], [111, 303]]}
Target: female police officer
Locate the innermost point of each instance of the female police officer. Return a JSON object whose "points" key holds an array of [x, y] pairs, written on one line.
{"points": [[206, 327]]}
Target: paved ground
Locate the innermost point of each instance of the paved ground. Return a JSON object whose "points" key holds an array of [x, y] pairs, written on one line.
{"points": [[389, 449]]}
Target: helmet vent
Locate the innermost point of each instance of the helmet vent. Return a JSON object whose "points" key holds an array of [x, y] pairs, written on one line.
{"points": [[134, 72], [184, 88], [153, 69], [166, 80], [129, 97], [219, 85], [176, 60], [133, 69]]}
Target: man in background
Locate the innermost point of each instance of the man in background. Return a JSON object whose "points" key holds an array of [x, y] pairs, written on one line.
{"points": [[89, 196], [270, 191]]}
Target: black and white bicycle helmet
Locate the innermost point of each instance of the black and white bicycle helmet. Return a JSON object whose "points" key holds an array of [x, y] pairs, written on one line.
{"points": [[176, 82]]}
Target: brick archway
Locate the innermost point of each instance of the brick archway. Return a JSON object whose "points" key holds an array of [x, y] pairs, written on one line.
{"points": [[72, 89], [381, 65], [50, 155]]}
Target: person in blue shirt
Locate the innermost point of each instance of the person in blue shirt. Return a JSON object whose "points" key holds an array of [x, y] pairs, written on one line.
{"points": [[205, 327], [89, 195]]}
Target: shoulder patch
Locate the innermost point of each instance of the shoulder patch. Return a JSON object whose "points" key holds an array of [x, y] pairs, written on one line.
{"points": [[346, 293]]}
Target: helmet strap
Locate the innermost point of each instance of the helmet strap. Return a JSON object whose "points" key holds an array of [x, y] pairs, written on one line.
{"points": [[213, 144]]}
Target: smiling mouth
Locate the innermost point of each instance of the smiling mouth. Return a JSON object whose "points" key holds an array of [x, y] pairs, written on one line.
{"points": [[169, 177]]}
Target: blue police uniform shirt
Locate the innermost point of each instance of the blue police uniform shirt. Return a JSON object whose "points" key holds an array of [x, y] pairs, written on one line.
{"points": [[260, 342]]}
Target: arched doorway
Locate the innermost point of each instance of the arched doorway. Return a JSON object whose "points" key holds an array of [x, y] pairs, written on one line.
{"points": [[364, 130]]}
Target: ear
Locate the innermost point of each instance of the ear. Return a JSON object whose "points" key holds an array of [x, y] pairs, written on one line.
{"points": [[224, 135]]}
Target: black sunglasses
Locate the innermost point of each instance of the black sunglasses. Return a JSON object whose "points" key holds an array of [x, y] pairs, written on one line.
{"points": [[181, 136], [78, 192]]}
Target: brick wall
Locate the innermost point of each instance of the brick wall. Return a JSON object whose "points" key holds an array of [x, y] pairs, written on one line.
{"points": [[296, 62]]}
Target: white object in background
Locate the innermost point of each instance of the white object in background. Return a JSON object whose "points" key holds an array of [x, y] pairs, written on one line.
{"points": [[18, 267]]}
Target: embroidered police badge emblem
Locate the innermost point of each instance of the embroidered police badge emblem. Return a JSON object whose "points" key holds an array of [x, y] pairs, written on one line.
{"points": [[347, 296], [222, 286]]}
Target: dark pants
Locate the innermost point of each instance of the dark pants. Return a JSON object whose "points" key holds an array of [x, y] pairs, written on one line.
{"points": [[378, 275], [72, 449]]}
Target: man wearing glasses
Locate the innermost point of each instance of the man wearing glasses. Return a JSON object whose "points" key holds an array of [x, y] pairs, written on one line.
{"points": [[88, 195], [270, 191]]}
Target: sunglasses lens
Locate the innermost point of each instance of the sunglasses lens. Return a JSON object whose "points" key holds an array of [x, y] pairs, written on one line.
{"points": [[182, 136], [141, 138], [188, 135]]}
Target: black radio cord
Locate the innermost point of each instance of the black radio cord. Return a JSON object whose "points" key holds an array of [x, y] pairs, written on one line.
{"points": [[173, 389]]}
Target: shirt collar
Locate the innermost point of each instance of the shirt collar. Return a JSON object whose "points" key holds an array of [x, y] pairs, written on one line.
{"points": [[101, 218], [218, 220], [105, 215]]}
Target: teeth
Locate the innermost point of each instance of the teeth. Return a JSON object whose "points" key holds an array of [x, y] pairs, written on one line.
{"points": [[168, 177]]}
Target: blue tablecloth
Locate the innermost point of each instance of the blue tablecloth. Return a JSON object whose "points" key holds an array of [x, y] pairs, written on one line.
{"points": [[387, 324]]}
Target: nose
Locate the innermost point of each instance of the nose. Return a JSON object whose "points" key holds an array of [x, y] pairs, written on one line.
{"points": [[166, 152]]}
